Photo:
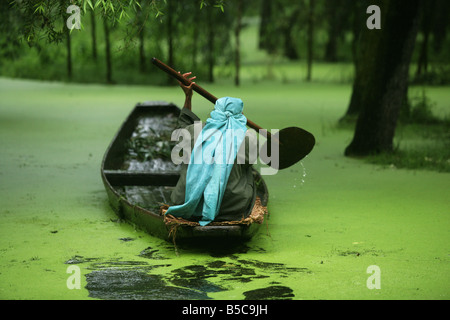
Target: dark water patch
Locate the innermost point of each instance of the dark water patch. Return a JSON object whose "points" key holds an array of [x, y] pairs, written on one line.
{"points": [[135, 284], [79, 260], [349, 253], [133, 280], [117, 279], [224, 250], [97, 263], [126, 239], [200, 277], [270, 293], [151, 253], [195, 277], [236, 272], [371, 252], [215, 249], [124, 264], [274, 267], [259, 249], [113, 263], [216, 264]]}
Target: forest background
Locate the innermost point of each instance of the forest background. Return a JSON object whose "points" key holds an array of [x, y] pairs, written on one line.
{"points": [[296, 42]]}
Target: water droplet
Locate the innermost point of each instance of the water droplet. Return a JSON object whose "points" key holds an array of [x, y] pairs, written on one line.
{"points": [[303, 173]]}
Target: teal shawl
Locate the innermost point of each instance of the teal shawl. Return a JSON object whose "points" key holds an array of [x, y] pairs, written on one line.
{"points": [[212, 160]]}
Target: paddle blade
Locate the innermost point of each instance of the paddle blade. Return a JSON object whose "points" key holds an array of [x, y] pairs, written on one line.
{"points": [[292, 144]]}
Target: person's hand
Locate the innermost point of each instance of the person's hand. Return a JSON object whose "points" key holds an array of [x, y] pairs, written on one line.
{"points": [[187, 89]]}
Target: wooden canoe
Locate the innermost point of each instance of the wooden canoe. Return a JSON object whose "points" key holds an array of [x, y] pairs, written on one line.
{"points": [[139, 181]]}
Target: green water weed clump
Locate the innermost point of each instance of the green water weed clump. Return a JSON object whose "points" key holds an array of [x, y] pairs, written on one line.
{"points": [[419, 146]]}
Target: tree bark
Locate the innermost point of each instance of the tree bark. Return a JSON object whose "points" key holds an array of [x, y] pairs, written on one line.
{"points": [[107, 51], [66, 34], [69, 55], [210, 45], [266, 11], [141, 26], [170, 38], [237, 33], [335, 17], [310, 40], [364, 44], [142, 64], [290, 50], [93, 36], [385, 90], [440, 24], [196, 25], [427, 16]]}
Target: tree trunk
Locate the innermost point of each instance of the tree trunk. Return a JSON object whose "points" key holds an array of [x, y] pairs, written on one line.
{"points": [[340, 14], [385, 90], [266, 11], [142, 65], [170, 31], [331, 46], [69, 55], [93, 36], [364, 44], [141, 25], [68, 49], [334, 28], [107, 51], [196, 25], [210, 46], [237, 33], [290, 50], [427, 16], [310, 40], [441, 19]]}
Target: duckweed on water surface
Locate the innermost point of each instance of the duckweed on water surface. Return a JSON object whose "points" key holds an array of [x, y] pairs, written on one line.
{"points": [[321, 237]]}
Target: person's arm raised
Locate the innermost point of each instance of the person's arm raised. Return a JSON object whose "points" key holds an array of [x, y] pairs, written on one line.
{"points": [[188, 91]]}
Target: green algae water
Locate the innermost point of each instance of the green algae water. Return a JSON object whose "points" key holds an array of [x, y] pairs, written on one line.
{"points": [[331, 217]]}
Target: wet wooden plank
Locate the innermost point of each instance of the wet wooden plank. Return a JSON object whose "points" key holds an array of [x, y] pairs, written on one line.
{"points": [[130, 178]]}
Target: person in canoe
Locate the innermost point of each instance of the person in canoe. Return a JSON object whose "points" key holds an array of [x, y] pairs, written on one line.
{"points": [[213, 186]]}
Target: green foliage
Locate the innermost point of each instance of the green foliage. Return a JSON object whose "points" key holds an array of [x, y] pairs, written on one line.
{"points": [[431, 153], [438, 75], [34, 34], [140, 30], [217, 4], [423, 140], [43, 18], [419, 110]]}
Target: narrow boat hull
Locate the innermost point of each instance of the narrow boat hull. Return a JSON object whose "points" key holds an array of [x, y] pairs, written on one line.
{"points": [[137, 189]]}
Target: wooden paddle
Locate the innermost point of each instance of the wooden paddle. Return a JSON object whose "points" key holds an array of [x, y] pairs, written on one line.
{"points": [[293, 143]]}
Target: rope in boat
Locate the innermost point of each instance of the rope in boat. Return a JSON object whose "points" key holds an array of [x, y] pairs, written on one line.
{"points": [[256, 216]]}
